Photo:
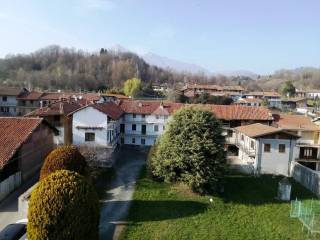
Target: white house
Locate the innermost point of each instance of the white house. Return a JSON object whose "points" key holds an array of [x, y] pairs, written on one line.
{"points": [[96, 125], [144, 121], [265, 149]]}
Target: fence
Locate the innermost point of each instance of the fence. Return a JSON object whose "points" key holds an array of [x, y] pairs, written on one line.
{"points": [[307, 177], [308, 212], [9, 184]]}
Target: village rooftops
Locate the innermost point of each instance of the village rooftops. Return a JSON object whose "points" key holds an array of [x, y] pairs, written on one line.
{"points": [[213, 87], [249, 100], [118, 96], [56, 96], [259, 130], [295, 99], [223, 112], [13, 133], [295, 122], [263, 94], [57, 108]]}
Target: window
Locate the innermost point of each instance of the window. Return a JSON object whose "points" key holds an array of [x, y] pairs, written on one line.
{"points": [[307, 152], [143, 116], [157, 116], [230, 132], [143, 141], [4, 109], [134, 127], [4, 98], [122, 127], [134, 115], [23, 102], [89, 137], [133, 140], [242, 137], [282, 148], [56, 118], [156, 128], [31, 101], [252, 144], [267, 147]]}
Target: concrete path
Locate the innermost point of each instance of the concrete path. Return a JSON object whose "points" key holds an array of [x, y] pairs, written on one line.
{"points": [[119, 192], [9, 206]]}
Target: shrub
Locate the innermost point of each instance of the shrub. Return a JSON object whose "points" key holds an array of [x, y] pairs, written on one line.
{"points": [[191, 151], [64, 158], [63, 206]]}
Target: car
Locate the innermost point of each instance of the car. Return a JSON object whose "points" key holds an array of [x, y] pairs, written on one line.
{"points": [[15, 231]]}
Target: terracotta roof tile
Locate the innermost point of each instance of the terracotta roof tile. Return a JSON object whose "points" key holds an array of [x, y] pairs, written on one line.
{"points": [[295, 122], [109, 108], [257, 130], [13, 133], [10, 91]]}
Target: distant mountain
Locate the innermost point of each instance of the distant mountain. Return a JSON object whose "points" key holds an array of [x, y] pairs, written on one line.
{"points": [[176, 65], [242, 73]]}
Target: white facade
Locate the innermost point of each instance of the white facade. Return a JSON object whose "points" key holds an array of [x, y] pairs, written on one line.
{"points": [[140, 129], [92, 127], [8, 105], [275, 158]]}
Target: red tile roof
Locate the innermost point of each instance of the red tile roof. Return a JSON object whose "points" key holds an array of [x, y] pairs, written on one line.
{"points": [[13, 133], [258, 130], [109, 108], [10, 91], [225, 112], [57, 108], [295, 122], [33, 95]]}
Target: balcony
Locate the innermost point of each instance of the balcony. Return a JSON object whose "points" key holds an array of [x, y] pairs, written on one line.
{"points": [[307, 142]]}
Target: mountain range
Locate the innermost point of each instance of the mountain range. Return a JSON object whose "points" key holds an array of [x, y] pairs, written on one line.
{"points": [[181, 66]]}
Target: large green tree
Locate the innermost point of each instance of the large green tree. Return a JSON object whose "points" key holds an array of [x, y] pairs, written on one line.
{"points": [[288, 89], [191, 151], [132, 87]]}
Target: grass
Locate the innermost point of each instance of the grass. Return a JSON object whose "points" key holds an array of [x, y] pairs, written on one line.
{"points": [[246, 210]]}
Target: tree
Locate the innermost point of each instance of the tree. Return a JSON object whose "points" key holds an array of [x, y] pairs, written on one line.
{"points": [[63, 206], [132, 87], [191, 151], [64, 158], [288, 89]]}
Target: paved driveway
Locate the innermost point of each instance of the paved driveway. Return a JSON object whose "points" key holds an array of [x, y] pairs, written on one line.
{"points": [[9, 206], [118, 193]]}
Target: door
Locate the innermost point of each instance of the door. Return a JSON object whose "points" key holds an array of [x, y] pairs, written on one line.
{"points": [[143, 129], [122, 128]]}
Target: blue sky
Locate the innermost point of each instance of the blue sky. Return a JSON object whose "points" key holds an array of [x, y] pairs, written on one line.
{"points": [[256, 35]]}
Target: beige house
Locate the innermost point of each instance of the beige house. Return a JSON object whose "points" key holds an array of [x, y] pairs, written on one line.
{"points": [[308, 145]]}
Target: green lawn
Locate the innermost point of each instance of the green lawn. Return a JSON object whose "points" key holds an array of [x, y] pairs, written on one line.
{"points": [[247, 210]]}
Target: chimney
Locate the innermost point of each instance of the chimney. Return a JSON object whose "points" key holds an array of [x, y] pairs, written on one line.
{"points": [[61, 107]]}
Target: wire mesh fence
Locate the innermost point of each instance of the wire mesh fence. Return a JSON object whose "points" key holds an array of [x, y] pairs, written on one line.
{"points": [[308, 212]]}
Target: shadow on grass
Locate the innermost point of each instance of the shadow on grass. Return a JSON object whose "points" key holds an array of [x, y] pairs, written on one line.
{"points": [[260, 190], [143, 211]]}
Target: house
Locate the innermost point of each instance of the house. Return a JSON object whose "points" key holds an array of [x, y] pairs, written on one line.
{"points": [[96, 125], [144, 121], [8, 100], [265, 149], [313, 94], [307, 150], [56, 114], [291, 104], [191, 90], [25, 142], [253, 102], [273, 98]]}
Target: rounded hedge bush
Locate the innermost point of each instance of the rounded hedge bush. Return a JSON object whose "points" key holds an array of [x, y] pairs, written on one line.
{"points": [[64, 158], [64, 205]]}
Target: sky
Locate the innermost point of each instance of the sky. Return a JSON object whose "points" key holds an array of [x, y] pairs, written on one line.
{"points": [[256, 35]]}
